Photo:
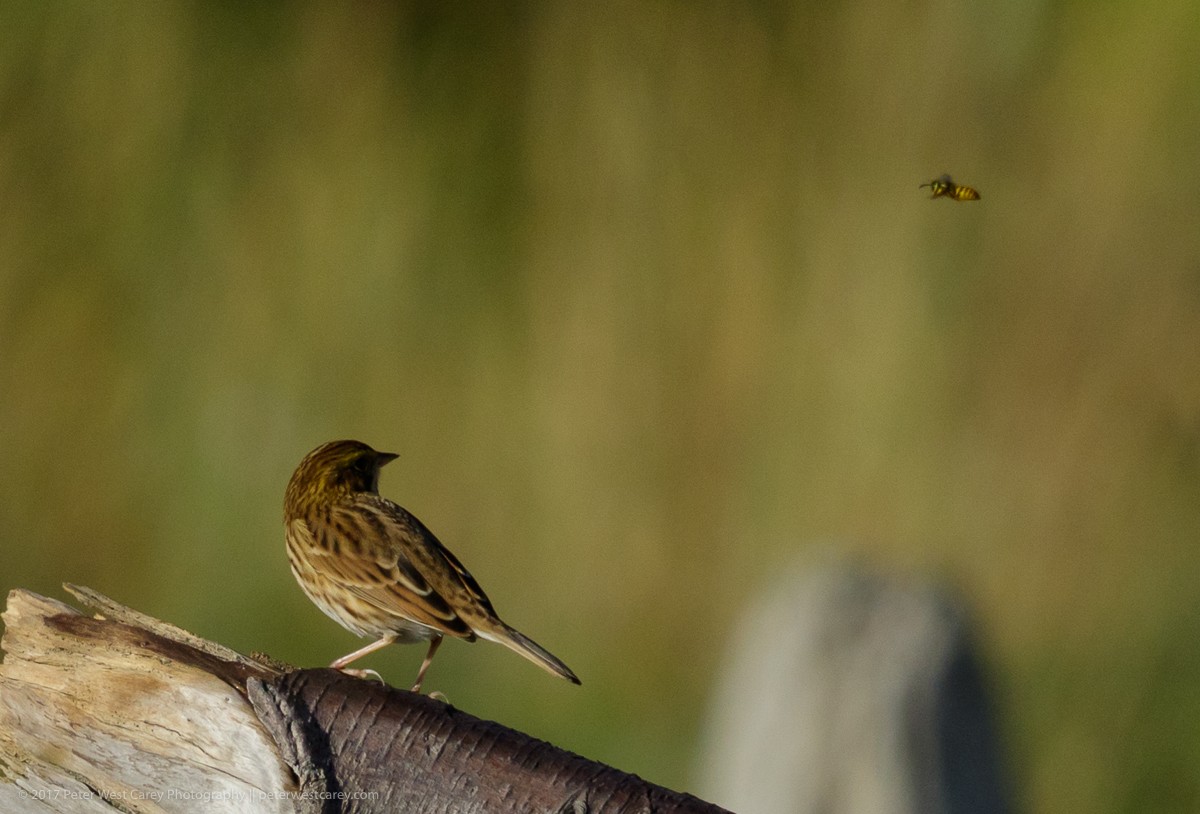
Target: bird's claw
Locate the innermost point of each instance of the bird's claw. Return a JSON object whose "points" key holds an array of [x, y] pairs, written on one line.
{"points": [[362, 673]]}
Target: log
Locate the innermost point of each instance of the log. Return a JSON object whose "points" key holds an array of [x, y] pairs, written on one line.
{"points": [[120, 712]]}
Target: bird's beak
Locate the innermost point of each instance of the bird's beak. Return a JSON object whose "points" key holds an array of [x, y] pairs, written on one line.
{"points": [[384, 458]]}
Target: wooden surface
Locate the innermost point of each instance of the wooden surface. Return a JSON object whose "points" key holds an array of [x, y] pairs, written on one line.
{"points": [[98, 715], [870, 697], [122, 712]]}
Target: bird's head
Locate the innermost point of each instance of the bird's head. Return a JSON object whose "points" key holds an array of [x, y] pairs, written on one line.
{"points": [[333, 471]]}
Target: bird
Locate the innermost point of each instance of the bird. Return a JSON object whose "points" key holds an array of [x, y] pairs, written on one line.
{"points": [[377, 570]]}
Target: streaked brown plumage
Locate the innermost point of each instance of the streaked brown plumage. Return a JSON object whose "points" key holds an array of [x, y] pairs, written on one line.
{"points": [[377, 570]]}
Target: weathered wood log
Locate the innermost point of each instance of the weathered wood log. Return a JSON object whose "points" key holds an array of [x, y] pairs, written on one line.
{"points": [[122, 712]]}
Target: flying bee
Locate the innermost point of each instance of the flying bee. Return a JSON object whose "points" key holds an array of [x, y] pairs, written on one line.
{"points": [[945, 187]]}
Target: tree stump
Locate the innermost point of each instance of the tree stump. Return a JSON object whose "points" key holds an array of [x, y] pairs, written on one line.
{"points": [[867, 695], [123, 713]]}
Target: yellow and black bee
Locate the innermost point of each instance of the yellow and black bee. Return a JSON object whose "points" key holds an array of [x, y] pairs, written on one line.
{"points": [[945, 187]]}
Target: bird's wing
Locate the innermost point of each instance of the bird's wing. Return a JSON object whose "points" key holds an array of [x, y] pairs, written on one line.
{"points": [[386, 565], [424, 558]]}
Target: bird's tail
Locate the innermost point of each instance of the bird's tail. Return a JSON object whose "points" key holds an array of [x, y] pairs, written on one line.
{"points": [[521, 644]]}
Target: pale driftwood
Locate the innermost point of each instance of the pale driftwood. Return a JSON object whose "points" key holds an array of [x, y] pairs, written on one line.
{"points": [[122, 712], [98, 715]]}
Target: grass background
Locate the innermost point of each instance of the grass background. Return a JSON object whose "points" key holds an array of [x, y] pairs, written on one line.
{"points": [[647, 298]]}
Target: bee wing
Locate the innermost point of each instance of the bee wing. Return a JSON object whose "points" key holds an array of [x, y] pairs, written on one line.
{"points": [[399, 567]]}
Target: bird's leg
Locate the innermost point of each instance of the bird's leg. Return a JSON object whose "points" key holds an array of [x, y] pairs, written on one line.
{"points": [[433, 646], [340, 664]]}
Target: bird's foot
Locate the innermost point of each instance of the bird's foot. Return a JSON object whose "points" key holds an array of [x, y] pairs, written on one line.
{"points": [[351, 671]]}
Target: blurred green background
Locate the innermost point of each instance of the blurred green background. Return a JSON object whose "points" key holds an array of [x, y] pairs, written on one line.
{"points": [[647, 298]]}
